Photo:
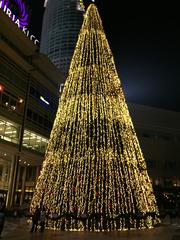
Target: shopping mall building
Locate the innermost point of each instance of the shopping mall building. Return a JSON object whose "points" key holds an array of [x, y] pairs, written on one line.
{"points": [[29, 92]]}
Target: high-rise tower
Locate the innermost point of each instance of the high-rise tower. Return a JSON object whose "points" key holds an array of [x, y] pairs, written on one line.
{"points": [[61, 24]]}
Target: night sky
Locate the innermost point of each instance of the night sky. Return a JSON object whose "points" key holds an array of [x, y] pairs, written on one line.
{"points": [[145, 44]]}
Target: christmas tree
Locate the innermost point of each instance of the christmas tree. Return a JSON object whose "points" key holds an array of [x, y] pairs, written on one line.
{"points": [[94, 176]]}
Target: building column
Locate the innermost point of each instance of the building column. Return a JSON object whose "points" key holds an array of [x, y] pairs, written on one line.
{"points": [[18, 176], [11, 185], [37, 172], [23, 186], [4, 172]]}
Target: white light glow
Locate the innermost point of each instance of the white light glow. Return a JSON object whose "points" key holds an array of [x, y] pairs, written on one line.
{"points": [[10, 132], [44, 100], [45, 3]]}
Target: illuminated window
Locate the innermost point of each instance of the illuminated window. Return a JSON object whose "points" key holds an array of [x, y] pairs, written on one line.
{"points": [[12, 103], [34, 141], [9, 131], [5, 100]]}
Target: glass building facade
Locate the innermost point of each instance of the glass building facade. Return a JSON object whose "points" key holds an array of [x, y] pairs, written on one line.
{"points": [[61, 24], [29, 95], [10, 131]]}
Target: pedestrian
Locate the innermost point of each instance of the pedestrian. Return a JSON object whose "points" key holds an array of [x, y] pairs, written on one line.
{"points": [[2, 215], [42, 219], [83, 218], [35, 219], [138, 216]]}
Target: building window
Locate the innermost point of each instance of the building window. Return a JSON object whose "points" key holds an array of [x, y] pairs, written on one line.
{"points": [[34, 141], [166, 137], [5, 100], [12, 103], [151, 163], [35, 116], [31, 174], [29, 113], [170, 164], [9, 131]]}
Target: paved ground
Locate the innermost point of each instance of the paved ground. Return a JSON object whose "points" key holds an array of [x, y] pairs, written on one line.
{"points": [[20, 231]]}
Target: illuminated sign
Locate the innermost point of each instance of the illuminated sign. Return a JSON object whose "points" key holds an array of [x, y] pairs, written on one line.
{"points": [[20, 18]]}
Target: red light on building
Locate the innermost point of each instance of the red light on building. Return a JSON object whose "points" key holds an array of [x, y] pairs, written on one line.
{"points": [[2, 87]]}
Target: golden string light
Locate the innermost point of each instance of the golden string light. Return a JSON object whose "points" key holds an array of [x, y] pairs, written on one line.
{"points": [[94, 166]]}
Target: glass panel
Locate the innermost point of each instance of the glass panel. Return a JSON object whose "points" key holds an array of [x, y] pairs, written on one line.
{"points": [[34, 141], [9, 131]]}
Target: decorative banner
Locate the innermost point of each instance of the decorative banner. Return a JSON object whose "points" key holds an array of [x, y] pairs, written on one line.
{"points": [[20, 18]]}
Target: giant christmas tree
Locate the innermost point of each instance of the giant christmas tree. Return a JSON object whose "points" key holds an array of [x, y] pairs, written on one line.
{"points": [[94, 176]]}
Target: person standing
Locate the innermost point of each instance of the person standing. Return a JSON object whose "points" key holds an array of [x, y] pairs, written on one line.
{"points": [[35, 219], [42, 219], [2, 215]]}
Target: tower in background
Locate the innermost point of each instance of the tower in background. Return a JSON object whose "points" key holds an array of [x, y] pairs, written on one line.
{"points": [[61, 24]]}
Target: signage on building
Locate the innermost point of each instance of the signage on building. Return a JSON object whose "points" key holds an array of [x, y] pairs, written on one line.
{"points": [[18, 14]]}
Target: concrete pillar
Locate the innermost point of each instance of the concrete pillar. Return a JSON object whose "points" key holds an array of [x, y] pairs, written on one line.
{"points": [[11, 185], [37, 172], [23, 186], [18, 176], [4, 174]]}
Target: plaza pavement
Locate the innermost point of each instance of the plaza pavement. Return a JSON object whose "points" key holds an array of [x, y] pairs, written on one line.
{"points": [[20, 231]]}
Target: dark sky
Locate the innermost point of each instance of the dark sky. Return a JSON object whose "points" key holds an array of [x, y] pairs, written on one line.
{"points": [[144, 40]]}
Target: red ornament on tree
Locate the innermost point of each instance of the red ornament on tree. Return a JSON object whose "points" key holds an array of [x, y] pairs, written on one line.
{"points": [[98, 178], [79, 178], [110, 205], [74, 189], [74, 209]]}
